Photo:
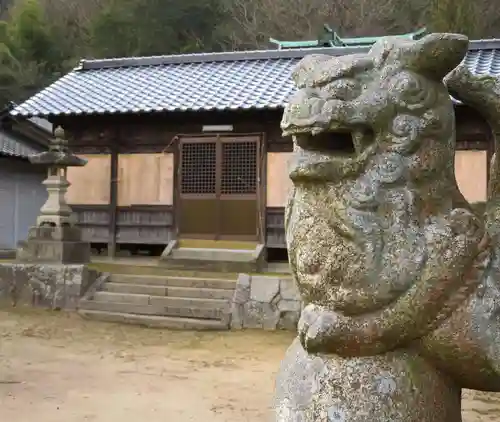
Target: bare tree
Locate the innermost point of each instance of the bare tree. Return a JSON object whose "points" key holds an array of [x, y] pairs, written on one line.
{"points": [[75, 11], [255, 21], [70, 20]]}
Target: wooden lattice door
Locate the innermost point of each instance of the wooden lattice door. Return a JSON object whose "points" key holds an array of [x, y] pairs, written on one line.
{"points": [[198, 210], [218, 189], [238, 188]]}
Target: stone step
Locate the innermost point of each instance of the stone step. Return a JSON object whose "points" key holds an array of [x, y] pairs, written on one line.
{"points": [[7, 254], [228, 267], [216, 244], [152, 309], [194, 282], [146, 289], [155, 267], [211, 254], [161, 301], [154, 321]]}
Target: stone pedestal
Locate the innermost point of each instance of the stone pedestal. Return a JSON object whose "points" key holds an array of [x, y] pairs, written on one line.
{"points": [[399, 386], [62, 245]]}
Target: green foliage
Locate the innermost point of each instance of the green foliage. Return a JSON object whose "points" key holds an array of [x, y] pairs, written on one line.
{"points": [[460, 16], [9, 66], [29, 33], [154, 27], [27, 51]]}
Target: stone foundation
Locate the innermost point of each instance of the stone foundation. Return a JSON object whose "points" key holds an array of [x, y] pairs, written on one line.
{"points": [[54, 244], [53, 286], [266, 302]]}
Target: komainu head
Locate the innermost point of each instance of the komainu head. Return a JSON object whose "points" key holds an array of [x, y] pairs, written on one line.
{"points": [[381, 242], [389, 100]]}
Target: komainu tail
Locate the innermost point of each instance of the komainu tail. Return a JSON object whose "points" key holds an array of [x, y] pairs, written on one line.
{"points": [[483, 94]]}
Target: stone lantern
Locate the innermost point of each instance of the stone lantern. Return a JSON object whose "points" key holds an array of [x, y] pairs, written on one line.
{"points": [[55, 237]]}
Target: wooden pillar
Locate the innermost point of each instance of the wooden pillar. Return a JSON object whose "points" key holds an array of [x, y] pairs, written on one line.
{"points": [[262, 187], [113, 199], [490, 149]]}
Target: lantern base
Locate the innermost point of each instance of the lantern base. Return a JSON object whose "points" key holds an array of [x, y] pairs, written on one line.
{"points": [[54, 244]]}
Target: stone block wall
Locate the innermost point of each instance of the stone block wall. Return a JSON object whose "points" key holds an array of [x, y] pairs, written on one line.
{"points": [[266, 302], [53, 286]]}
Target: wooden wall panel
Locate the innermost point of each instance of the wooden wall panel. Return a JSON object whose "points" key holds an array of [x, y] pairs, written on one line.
{"points": [[90, 183], [145, 179], [278, 182], [471, 174], [147, 225], [275, 228]]}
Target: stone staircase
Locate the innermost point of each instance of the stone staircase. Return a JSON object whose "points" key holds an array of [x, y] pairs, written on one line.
{"points": [[162, 301], [221, 256]]}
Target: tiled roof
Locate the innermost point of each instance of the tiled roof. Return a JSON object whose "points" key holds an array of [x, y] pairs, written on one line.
{"points": [[12, 147], [217, 81], [484, 61], [42, 123]]}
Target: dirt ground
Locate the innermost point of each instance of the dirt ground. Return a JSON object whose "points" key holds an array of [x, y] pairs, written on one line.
{"points": [[56, 367]]}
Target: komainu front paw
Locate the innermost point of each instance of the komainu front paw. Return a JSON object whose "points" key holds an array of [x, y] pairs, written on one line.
{"points": [[315, 328]]}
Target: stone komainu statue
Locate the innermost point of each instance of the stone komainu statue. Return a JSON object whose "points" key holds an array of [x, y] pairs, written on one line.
{"points": [[398, 276]]}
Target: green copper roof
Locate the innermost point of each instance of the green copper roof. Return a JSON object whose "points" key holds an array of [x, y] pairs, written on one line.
{"points": [[331, 39]]}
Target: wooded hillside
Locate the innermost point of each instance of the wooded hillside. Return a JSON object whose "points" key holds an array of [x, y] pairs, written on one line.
{"points": [[42, 39]]}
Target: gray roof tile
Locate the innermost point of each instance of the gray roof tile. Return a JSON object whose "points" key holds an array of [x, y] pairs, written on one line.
{"points": [[12, 147], [220, 81], [42, 123]]}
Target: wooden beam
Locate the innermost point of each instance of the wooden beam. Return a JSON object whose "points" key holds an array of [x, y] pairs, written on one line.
{"points": [[113, 199]]}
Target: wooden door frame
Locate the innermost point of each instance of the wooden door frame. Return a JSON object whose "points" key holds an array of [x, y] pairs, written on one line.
{"points": [[234, 139], [259, 138], [191, 139]]}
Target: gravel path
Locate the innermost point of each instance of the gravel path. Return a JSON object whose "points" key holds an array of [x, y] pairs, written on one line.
{"points": [[55, 367]]}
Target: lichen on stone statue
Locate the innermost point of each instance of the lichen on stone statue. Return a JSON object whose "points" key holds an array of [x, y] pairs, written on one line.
{"points": [[396, 271]]}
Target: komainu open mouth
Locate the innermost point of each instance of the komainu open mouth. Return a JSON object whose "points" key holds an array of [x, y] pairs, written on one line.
{"points": [[342, 143], [331, 155]]}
